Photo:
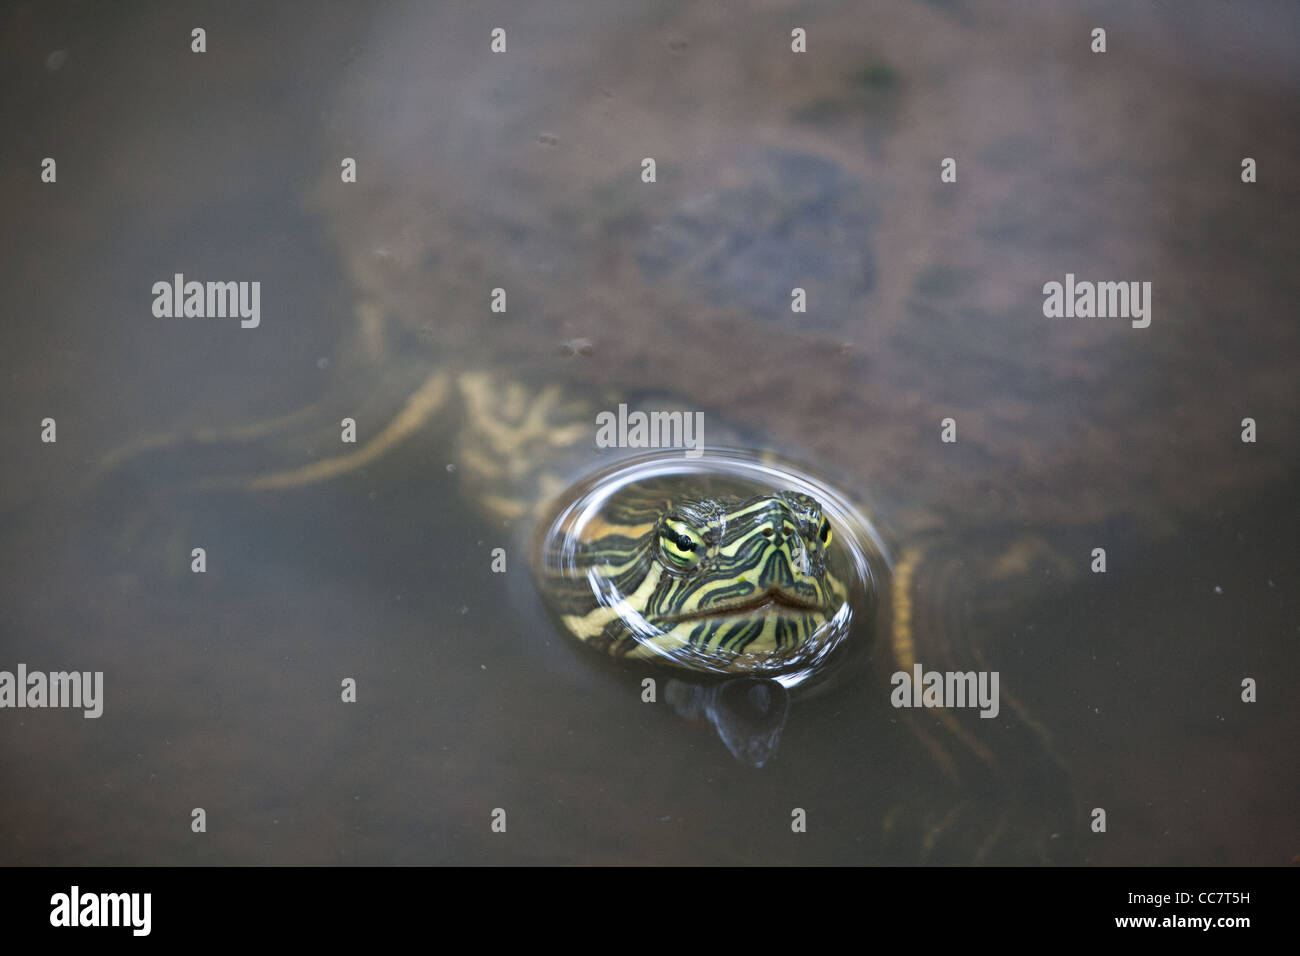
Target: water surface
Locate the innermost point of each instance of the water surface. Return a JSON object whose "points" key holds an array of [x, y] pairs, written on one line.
{"points": [[522, 170]]}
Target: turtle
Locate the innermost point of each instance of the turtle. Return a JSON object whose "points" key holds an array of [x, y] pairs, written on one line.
{"points": [[677, 295], [739, 583], [775, 171], [732, 581]]}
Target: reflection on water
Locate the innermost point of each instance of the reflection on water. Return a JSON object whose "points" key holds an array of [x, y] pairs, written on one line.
{"points": [[747, 712], [522, 171]]}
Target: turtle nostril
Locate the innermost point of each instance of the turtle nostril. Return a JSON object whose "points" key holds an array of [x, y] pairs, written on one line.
{"points": [[767, 532]]}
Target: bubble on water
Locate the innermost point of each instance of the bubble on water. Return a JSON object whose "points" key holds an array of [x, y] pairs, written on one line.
{"points": [[56, 60], [451, 469], [1218, 589], [860, 557], [323, 363]]}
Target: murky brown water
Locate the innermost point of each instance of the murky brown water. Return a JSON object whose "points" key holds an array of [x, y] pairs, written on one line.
{"points": [[521, 170]]}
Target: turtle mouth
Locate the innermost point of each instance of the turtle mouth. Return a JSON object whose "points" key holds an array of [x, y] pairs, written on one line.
{"points": [[771, 601]]}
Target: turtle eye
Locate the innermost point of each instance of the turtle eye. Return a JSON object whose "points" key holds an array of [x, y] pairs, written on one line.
{"points": [[680, 545], [824, 535]]}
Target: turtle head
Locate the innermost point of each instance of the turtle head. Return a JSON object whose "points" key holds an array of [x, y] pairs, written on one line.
{"points": [[722, 584], [719, 567], [747, 573]]}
